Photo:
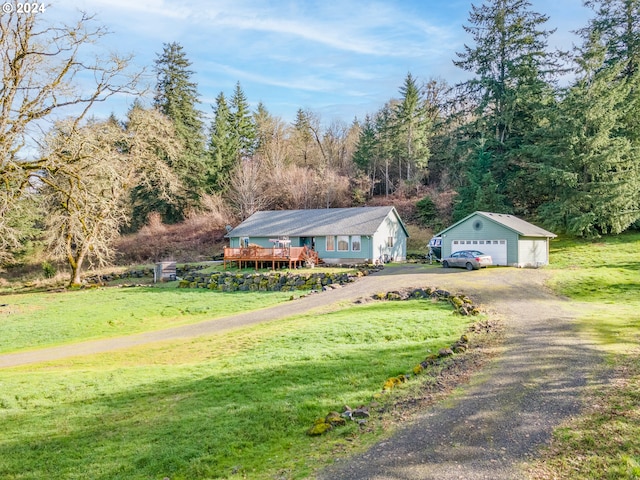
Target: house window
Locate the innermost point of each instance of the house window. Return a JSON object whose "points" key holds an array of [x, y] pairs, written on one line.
{"points": [[389, 242], [331, 243], [355, 243], [343, 243]]}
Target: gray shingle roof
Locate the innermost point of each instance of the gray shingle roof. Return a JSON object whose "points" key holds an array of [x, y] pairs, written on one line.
{"points": [[524, 228], [314, 222], [516, 224]]}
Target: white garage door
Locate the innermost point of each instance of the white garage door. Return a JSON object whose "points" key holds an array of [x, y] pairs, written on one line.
{"points": [[496, 248]]}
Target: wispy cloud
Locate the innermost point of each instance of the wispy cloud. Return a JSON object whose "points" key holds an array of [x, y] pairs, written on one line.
{"points": [[303, 83], [302, 53]]}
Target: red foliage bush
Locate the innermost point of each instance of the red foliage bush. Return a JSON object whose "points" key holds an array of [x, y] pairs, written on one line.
{"points": [[197, 238]]}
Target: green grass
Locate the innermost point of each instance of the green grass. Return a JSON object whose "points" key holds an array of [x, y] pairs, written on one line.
{"points": [[36, 320], [604, 442], [605, 275], [229, 406], [606, 270]]}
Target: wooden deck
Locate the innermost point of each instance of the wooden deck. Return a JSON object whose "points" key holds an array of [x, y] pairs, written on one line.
{"points": [[261, 256]]}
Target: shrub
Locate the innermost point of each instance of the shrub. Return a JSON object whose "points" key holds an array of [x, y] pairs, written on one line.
{"points": [[49, 270], [426, 211]]}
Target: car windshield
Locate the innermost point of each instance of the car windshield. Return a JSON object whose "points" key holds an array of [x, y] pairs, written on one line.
{"points": [[476, 253]]}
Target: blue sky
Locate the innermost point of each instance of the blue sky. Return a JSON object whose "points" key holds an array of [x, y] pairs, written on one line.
{"points": [[340, 59]]}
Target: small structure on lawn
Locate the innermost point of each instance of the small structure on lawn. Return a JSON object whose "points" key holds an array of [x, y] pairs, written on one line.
{"points": [[509, 240], [331, 235], [164, 272]]}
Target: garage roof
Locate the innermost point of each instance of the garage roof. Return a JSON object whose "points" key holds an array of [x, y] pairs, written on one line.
{"points": [[516, 224]]}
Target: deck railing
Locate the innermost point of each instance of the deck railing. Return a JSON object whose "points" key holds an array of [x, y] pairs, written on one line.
{"points": [[294, 256]]}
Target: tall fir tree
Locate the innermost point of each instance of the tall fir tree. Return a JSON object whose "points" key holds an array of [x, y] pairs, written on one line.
{"points": [[223, 146], [593, 176], [480, 190], [413, 129], [514, 72], [364, 155], [302, 139], [617, 23], [386, 147], [176, 95], [242, 123]]}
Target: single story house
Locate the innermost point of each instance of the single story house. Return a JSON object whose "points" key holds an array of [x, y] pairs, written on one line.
{"points": [[338, 235], [509, 240]]}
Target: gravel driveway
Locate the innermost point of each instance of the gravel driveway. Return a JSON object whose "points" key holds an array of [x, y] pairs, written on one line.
{"points": [[484, 432], [502, 418]]}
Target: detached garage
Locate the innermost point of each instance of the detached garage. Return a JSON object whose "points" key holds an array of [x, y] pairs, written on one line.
{"points": [[509, 240]]}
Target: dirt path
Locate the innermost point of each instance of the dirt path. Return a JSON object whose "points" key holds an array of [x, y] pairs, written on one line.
{"points": [[483, 432]]}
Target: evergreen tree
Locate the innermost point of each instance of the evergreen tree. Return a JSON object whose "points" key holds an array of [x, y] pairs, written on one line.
{"points": [[413, 129], [594, 174], [242, 124], [386, 146], [176, 96], [510, 52], [223, 145], [364, 156], [302, 139], [512, 86], [480, 190], [617, 23], [271, 138]]}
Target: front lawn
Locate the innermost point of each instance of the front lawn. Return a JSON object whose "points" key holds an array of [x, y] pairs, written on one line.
{"points": [[35, 320], [226, 406]]}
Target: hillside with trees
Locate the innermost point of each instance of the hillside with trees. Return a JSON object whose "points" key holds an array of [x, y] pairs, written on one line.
{"points": [[513, 138]]}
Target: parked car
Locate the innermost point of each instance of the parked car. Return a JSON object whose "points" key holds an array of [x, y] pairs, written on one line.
{"points": [[469, 259]]}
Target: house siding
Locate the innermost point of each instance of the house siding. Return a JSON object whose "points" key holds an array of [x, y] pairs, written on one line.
{"points": [[488, 231], [374, 237], [396, 252], [349, 256], [262, 241], [530, 249]]}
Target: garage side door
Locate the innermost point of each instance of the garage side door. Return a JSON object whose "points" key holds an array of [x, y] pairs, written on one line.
{"points": [[532, 253], [496, 248]]}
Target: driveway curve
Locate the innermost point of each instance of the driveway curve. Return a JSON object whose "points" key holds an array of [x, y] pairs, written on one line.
{"points": [[488, 428], [499, 421]]}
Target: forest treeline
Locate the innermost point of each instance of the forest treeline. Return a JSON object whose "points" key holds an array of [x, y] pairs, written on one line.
{"points": [[517, 137]]}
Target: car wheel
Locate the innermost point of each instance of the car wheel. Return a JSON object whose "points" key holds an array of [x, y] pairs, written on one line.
{"points": [[445, 264], [469, 266]]}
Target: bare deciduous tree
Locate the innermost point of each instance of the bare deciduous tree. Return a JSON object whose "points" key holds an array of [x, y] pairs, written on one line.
{"points": [[88, 177], [246, 188], [42, 68]]}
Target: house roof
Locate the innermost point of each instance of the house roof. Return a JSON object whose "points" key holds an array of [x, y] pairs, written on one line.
{"points": [[516, 224], [315, 222]]}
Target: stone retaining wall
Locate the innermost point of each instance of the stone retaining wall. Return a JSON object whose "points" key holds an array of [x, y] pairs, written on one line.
{"points": [[271, 281], [138, 273]]}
